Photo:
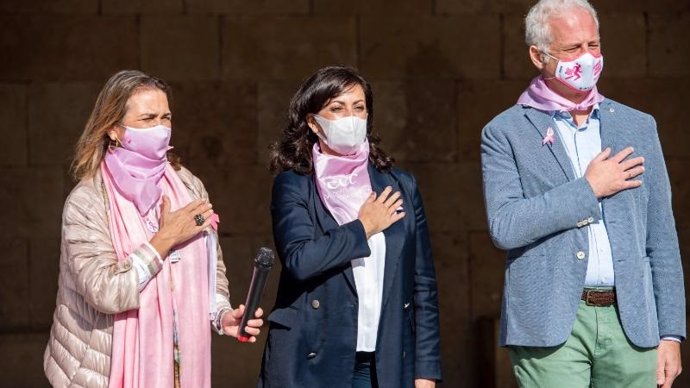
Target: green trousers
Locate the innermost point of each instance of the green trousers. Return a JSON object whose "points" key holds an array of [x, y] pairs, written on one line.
{"points": [[596, 355]]}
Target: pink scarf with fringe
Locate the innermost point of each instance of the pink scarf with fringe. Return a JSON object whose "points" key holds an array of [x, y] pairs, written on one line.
{"points": [[539, 96], [175, 302]]}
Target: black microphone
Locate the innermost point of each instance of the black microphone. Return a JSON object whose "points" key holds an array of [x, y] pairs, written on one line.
{"points": [[262, 264]]}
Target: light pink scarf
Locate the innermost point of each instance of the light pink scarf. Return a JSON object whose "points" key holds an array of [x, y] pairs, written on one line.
{"points": [[539, 96], [342, 181], [142, 349]]}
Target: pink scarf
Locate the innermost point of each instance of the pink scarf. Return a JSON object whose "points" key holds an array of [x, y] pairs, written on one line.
{"points": [[342, 181], [176, 298], [539, 96], [137, 176]]}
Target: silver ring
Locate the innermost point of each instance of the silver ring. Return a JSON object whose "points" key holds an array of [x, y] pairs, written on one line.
{"points": [[199, 219]]}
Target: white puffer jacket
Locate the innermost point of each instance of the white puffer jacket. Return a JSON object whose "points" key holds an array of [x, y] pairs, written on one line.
{"points": [[93, 286]]}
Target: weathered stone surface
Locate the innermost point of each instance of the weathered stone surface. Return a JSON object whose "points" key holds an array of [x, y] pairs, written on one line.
{"points": [[13, 116], [416, 120], [624, 44], [241, 195], [57, 115], [142, 6], [286, 48], [286, 7], [680, 187], [479, 6], [487, 265], [23, 366], [215, 124], [14, 277], [43, 263], [516, 62], [437, 47], [274, 102], [668, 53], [452, 195], [50, 6], [46, 48], [478, 103], [375, 7], [194, 39], [34, 199]]}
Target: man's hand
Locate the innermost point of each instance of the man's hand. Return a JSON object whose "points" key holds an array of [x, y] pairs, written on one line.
{"points": [[607, 176], [667, 363], [424, 383]]}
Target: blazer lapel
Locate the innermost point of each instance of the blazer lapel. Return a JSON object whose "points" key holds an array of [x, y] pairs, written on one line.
{"points": [[542, 122], [327, 222], [394, 234]]}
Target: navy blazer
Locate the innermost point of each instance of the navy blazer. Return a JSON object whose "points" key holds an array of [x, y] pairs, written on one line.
{"points": [[538, 211], [312, 336]]}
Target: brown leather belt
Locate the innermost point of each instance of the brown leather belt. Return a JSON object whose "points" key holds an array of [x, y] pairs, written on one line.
{"points": [[599, 297]]}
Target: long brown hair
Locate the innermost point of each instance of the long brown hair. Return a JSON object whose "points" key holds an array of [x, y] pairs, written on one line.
{"points": [[110, 108], [293, 150]]}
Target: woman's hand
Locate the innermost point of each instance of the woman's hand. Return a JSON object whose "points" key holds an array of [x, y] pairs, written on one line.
{"points": [[377, 214], [230, 322], [179, 226], [424, 383]]}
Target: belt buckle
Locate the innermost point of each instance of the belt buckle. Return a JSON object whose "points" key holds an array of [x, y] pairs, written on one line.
{"points": [[587, 295]]}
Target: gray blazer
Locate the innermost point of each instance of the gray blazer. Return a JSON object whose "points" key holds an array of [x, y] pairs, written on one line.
{"points": [[537, 210]]}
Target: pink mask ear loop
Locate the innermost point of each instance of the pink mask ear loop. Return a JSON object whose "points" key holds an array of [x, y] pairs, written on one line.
{"points": [[552, 57]]}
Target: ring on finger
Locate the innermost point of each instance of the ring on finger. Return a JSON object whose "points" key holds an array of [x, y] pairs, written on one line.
{"points": [[199, 220]]}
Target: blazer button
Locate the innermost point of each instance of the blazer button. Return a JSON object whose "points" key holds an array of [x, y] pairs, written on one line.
{"points": [[590, 220], [315, 304], [580, 255], [311, 355]]}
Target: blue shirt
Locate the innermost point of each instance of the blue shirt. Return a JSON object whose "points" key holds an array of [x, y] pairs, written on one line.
{"points": [[582, 144]]}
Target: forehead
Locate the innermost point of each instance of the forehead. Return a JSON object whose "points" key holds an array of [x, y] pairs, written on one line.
{"points": [[148, 98], [573, 26], [352, 93]]}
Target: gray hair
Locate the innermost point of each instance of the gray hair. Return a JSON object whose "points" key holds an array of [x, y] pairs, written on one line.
{"points": [[537, 27]]}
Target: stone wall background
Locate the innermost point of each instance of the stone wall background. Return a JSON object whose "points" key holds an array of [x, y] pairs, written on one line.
{"points": [[440, 70]]}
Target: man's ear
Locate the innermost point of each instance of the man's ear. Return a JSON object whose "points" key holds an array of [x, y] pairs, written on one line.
{"points": [[537, 57]]}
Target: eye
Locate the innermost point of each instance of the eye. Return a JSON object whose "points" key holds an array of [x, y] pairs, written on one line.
{"points": [[360, 108], [336, 108]]}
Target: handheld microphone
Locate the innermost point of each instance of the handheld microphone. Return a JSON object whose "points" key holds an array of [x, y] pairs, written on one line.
{"points": [[262, 264]]}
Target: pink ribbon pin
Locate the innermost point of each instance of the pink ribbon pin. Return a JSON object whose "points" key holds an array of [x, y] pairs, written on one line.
{"points": [[550, 137]]}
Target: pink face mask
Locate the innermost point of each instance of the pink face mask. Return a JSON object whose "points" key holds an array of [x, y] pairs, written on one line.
{"points": [[152, 143], [581, 73]]}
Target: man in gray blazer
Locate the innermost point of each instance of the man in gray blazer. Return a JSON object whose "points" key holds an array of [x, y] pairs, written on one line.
{"points": [[578, 195]]}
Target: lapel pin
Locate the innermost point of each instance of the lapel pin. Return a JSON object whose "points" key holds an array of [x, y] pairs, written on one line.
{"points": [[550, 137]]}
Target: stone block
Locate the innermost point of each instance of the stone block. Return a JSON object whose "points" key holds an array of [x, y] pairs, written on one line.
{"points": [[215, 124], [485, 7], [604, 6], [50, 6], [668, 51], [285, 48], [44, 263], [437, 47], [478, 103], [660, 98], [451, 261], [516, 63], [142, 6], [35, 199], [72, 47], [487, 264], [14, 277], [274, 101], [378, 7], [13, 116], [241, 195], [23, 367], [662, 6], [416, 119], [57, 115], [181, 47], [255, 7], [452, 195], [624, 44]]}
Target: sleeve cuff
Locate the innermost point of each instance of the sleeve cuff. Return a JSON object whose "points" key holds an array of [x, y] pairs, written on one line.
{"points": [[147, 262], [671, 338]]}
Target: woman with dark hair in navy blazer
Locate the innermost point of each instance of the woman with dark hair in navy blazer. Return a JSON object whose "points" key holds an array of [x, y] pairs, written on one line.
{"points": [[357, 304]]}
